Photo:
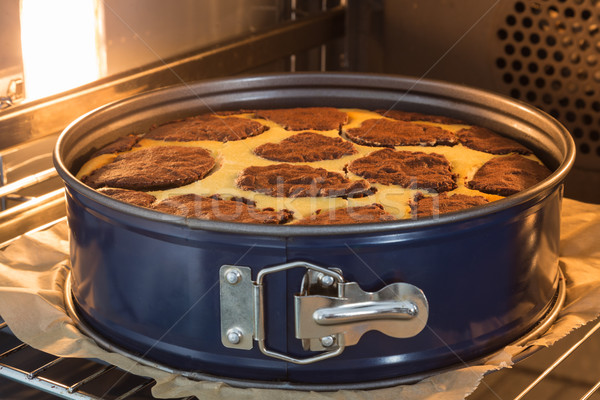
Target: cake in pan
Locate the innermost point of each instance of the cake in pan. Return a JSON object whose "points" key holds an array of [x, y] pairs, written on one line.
{"points": [[312, 166]]}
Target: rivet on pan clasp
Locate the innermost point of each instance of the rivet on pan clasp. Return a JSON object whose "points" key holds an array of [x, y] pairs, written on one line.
{"points": [[328, 341], [326, 280], [234, 336], [233, 276]]}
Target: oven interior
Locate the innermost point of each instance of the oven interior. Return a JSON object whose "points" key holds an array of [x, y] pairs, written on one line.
{"points": [[545, 53]]}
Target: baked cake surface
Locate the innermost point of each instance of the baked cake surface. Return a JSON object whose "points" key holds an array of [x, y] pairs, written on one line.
{"points": [[312, 166]]}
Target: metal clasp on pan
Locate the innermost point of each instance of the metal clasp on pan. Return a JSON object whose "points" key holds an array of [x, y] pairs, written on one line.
{"points": [[330, 313]]}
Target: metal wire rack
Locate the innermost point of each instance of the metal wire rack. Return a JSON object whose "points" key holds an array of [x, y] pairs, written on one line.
{"points": [[67, 378], [566, 370]]}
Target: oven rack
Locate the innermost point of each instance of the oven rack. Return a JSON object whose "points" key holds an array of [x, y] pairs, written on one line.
{"points": [[558, 362], [561, 371], [68, 378], [36, 198]]}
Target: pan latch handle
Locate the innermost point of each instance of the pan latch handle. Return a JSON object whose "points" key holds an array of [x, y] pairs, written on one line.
{"points": [[330, 313]]}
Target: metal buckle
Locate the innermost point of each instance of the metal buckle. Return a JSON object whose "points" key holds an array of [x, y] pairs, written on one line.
{"points": [[330, 313]]}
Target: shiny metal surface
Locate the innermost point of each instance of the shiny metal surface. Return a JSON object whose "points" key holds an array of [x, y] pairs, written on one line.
{"points": [[39, 118], [260, 314], [26, 182], [237, 306], [556, 363], [50, 377], [366, 311], [543, 53], [31, 192], [399, 310], [29, 215], [573, 374]]}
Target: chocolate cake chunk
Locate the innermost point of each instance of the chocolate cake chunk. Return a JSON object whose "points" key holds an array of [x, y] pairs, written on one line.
{"points": [[389, 133], [426, 206], [414, 170], [125, 143], [305, 147], [153, 168], [287, 180], [482, 139], [508, 175], [299, 119], [207, 127], [217, 208], [129, 196], [350, 215], [413, 116]]}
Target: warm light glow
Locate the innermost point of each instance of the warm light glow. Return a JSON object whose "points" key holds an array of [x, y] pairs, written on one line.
{"points": [[61, 45]]}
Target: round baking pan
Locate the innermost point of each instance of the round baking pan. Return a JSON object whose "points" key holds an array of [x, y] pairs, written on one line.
{"points": [[149, 282]]}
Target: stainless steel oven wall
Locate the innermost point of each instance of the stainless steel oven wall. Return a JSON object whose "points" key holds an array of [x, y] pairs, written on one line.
{"points": [[141, 32], [11, 68], [304, 28], [546, 53]]}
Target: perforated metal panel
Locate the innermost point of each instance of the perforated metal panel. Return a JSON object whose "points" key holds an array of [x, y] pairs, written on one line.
{"points": [[549, 56], [543, 52]]}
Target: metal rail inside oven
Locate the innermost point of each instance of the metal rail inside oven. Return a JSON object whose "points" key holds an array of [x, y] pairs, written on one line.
{"points": [[48, 373]]}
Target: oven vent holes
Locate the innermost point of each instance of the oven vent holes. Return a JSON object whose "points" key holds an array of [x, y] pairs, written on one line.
{"points": [[549, 56]]}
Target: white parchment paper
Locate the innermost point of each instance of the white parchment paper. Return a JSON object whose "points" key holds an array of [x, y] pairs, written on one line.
{"points": [[34, 267]]}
